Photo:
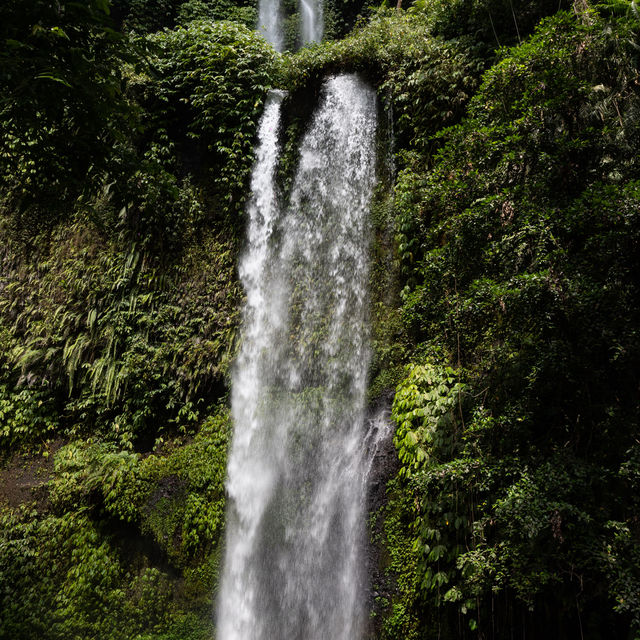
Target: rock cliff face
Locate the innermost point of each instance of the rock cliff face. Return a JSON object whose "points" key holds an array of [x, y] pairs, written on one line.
{"points": [[384, 467]]}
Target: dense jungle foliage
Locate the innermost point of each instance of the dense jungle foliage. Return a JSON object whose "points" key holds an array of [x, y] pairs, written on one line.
{"points": [[505, 308]]}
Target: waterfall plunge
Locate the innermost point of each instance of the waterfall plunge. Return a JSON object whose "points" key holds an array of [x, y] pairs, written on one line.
{"points": [[297, 468]]}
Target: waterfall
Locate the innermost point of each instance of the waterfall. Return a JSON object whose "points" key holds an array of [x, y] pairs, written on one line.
{"points": [[270, 22], [297, 468], [311, 21]]}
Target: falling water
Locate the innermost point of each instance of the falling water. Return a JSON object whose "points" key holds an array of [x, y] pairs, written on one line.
{"points": [[270, 22], [297, 468], [311, 21]]}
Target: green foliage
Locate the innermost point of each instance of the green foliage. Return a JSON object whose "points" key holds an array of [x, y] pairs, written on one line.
{"points": [[126, 347], [399, 566], [184, 497], [428, 411], [518, 248], [492, 23], [206, 95], [177, 498], [60, 73], [84, 472], [183, 627], [147, 16], [26, 416], [144, 16], [72, 583], [426, 79], [118, 314], [622, 559], [78, 568], [245, 14], [158, 211]]}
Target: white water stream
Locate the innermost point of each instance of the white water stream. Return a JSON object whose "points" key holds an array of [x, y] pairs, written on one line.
{"points": [[311, 21], [271, 21], [301, 453]]}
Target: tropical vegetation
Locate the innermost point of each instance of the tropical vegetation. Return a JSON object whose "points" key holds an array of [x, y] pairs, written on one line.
{"points": [[505, 307]]}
